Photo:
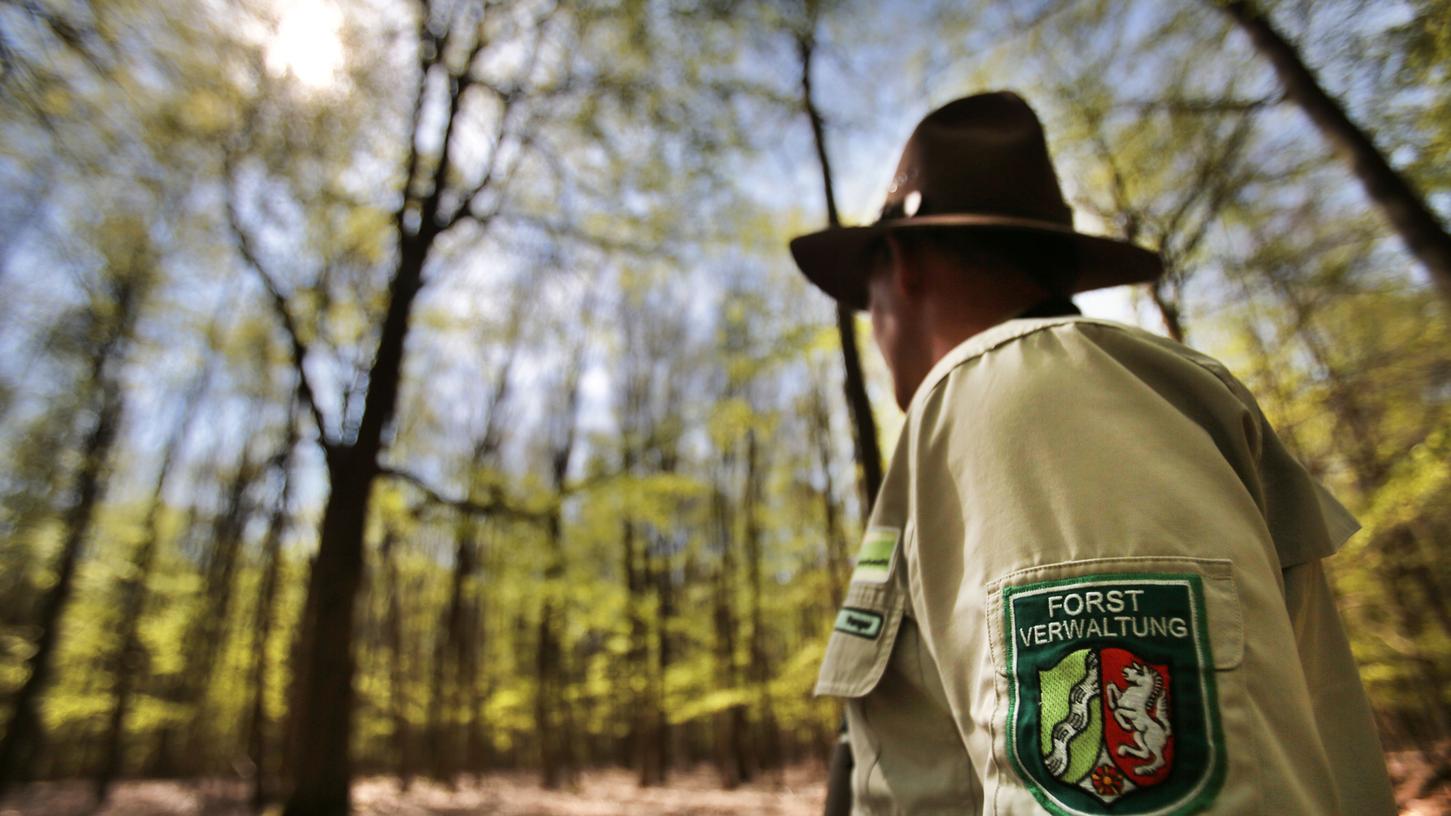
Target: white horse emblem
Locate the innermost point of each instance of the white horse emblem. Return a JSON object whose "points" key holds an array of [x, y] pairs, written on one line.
{"points": [[1140, 710]]}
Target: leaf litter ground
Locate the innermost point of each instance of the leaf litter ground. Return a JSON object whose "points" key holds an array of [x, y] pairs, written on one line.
{"points": [[797, 792]]}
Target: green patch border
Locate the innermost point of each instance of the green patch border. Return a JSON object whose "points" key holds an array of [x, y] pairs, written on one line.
{"points": [[1195, 582]]}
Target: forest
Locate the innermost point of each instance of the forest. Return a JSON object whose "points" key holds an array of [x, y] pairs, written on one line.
{"points": [[423, 390]]}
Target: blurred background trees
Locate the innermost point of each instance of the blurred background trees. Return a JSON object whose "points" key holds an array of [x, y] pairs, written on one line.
{"points": [[425, 388]]}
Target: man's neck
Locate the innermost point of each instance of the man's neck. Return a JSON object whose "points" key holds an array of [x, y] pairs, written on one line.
{"points": [[949, 332], [1052, 306]]}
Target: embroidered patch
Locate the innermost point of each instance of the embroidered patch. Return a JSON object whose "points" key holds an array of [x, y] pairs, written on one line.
{"points": [[1112, 706], [863, 623], [874, 561]]}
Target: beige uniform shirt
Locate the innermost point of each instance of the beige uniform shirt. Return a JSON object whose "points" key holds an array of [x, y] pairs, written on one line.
{"points": [[1092, 584]]}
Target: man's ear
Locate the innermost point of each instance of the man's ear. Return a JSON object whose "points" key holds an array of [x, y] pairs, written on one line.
{"points": [[906, 266]]}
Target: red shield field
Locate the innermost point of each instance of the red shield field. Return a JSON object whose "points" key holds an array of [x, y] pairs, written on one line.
{"points": [[1138, 726]]}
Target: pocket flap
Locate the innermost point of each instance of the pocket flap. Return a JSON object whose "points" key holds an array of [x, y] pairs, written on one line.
{"points": [[1224, 620], [861, 641]]}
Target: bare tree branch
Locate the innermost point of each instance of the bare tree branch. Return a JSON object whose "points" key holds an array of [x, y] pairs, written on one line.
{"points": [[1207, 107], [508, 95], [80, 40], [493, 505], [571, 232], [1044, 14], [1130, 218], [459, 83], [465, 207], [432, 52], [490, 437], [1211, 177], [296, 346]]}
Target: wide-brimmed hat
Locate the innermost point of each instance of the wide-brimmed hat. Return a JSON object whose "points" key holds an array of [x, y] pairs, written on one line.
{"points": [[979, 163]]}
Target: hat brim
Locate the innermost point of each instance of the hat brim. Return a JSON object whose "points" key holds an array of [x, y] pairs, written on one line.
{"points": [[838, 260]]}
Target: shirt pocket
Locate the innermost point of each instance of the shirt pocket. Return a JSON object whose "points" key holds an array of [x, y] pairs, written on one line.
{"points": [[861, 641], [1115, 682]]}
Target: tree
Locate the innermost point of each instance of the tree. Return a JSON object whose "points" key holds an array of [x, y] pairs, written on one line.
{"points": [[1170, 205], [864, 427], [1349, 367], [129, 657], [457, 49], [455, 659], [401, 733], [864, 430], [1423, 234], [663, 597], [105, 327], [553, 718], [264, 616]]}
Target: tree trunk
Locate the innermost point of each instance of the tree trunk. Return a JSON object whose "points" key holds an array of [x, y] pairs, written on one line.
{"points": [[322, 765], [477, 748], [768, 749], [206, 637], [664, 654], [126, 662], [1169, 310], [458, 646], [864, 429], [550, 719], [453, 668], [397, 672], [730, 726], [449, 644], [637, 652], [1402, 205], [864, 424], [262, 622], [650, 736], [24, 731], [554, 721], [436, 746], [836, 550]]}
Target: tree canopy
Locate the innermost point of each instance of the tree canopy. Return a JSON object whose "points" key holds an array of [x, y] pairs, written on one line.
{"points": [[425, 387]]}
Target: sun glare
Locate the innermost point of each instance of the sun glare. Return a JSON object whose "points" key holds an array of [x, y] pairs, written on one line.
{"points": [[308, 42]]}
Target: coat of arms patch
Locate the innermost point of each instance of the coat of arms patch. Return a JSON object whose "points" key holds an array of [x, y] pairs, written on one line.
{"points": [[1112, 707]]}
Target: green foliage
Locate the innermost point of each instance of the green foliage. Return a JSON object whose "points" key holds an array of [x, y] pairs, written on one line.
{"points": [[658, 178]]}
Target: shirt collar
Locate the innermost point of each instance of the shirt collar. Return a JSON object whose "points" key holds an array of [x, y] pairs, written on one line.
{"points": [[979, 344]]}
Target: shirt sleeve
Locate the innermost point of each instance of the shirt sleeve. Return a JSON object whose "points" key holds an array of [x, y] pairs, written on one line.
{"points": [[1081, 453]]}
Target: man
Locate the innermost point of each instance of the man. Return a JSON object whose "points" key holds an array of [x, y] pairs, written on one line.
{"points": [[1091, 582]]}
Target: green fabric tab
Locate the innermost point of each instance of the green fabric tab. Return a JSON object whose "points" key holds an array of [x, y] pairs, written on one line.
{"points": [[874, 561]]}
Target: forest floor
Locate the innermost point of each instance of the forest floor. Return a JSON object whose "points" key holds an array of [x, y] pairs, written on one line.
{"points": [[1423, 788], [797, 792]]}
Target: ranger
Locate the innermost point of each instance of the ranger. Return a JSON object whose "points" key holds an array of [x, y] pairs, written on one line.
{"points": [[1092, 581]]}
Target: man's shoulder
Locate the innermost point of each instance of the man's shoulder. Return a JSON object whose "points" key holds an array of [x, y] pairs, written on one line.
{"points": [[1038, 346], [1052, 369]]}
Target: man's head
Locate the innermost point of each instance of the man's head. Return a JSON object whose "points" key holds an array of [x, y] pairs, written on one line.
{"points": [[928, 290], [974, 231]]}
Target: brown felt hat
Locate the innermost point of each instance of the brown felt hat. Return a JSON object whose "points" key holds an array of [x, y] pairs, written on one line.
{"points": [[979, 163]]}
